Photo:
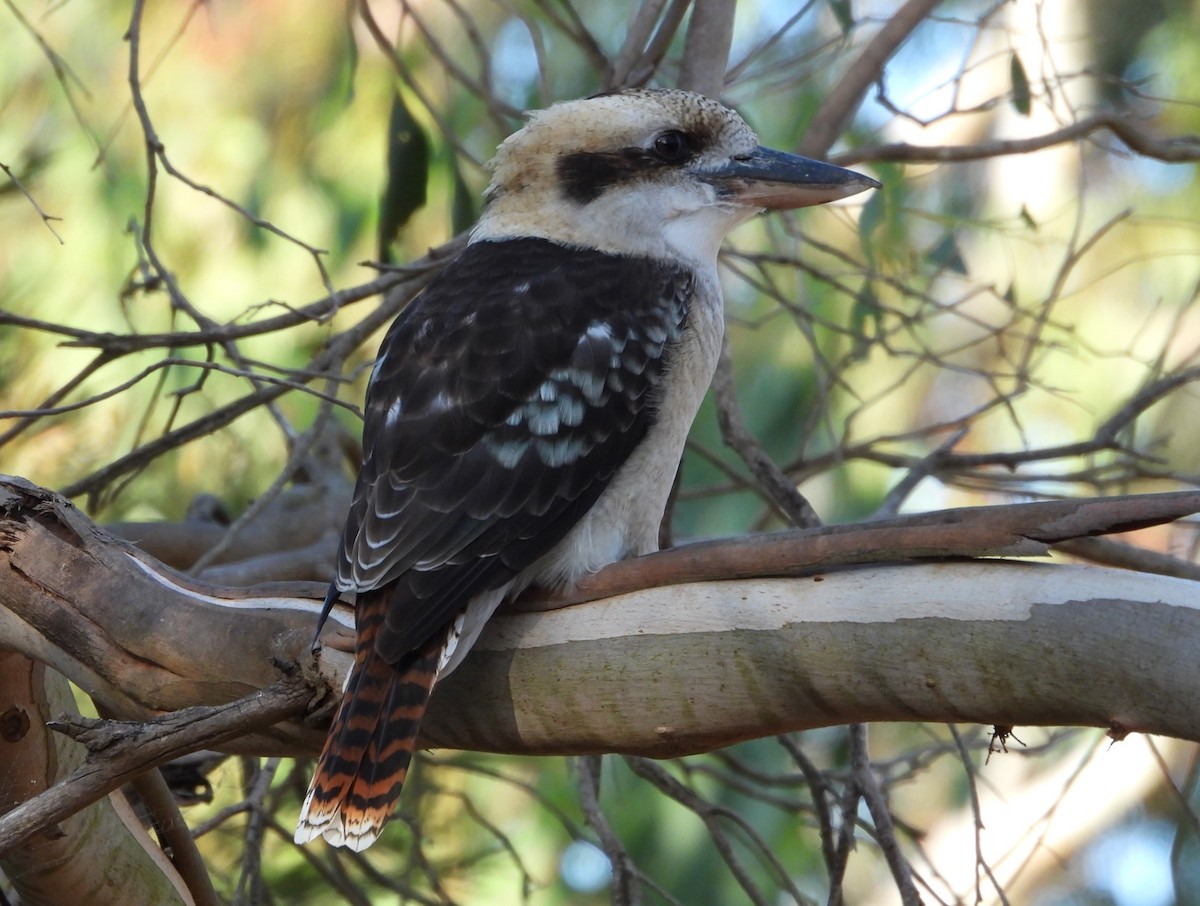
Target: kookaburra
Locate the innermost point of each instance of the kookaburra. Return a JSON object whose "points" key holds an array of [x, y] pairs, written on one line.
{"points": [[528, 410]]}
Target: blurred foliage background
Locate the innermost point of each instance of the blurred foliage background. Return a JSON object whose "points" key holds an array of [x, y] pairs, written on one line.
{"points": [[961, 336]]}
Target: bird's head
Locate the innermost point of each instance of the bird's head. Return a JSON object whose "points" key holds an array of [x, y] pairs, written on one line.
{"points": [[664, 173]]}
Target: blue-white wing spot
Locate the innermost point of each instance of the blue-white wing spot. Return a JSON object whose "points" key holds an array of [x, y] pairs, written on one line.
{"points": [[542, 420], [506, 452], [394, 411], [560, 451], [589, 382], [600, 331]]}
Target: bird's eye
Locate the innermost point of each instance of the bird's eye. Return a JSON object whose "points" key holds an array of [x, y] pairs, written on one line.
{"points": [[671, 146]]}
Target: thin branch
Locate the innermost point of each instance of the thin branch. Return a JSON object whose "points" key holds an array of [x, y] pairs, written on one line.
{"points": [[46, 218], [929, 465], [1176, 149], [1108, 552], [626, 890], [972, 787], [62, 70], [776, 486], [708, 814], [642, 69], [156, 152], [250, 888], [820, 790], [1181, 799], [867, 784], [564, 17], [328, 358], [845, 842]]}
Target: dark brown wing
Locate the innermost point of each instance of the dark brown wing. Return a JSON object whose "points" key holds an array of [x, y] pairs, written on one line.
{"points": [[504, 399]]}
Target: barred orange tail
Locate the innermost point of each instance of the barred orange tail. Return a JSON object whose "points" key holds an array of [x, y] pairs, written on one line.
{"points": [[371, 743]]}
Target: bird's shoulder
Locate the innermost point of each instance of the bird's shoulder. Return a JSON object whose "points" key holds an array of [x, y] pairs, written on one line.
{"points": [[511, 324]]}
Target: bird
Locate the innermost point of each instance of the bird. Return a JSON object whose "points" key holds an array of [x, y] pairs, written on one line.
{"points": [[527, 411]]}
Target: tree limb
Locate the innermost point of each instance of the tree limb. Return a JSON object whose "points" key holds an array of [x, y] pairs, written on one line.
{"points": [[982, 641]]}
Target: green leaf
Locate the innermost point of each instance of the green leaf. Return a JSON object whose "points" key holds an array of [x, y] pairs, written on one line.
{"points": [[872, 215], [946, 256], [870, 220], [407, 175], [1021, 97], [464, 209], [843, 13], [866, 321]]}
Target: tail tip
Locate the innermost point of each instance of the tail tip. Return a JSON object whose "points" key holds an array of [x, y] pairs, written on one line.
{"points": [[336, 833], [355, 832]]}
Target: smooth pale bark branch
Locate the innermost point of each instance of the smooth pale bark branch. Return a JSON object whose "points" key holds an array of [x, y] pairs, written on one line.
{"points": [[693, 667], [664, 670]]}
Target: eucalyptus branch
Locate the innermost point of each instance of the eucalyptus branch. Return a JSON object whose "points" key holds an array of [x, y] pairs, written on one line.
{"points": [[1177, 149]]}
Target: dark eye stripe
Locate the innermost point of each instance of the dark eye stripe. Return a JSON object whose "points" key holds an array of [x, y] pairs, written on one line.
{"points": [[585, 175]]}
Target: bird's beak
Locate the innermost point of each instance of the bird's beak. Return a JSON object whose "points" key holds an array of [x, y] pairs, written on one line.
{"points": [[773, 179]]}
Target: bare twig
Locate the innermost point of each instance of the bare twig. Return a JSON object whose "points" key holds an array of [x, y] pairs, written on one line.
{"points": [[46, 218], [156, 153], [250, 887], [850, 798], [969, 769], [711, 816], [820, 791], [62, 70], [327, 360], [777, 487], [868, 787], [641, 24], [1177, 149], [634, 68], [626, 889]]}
